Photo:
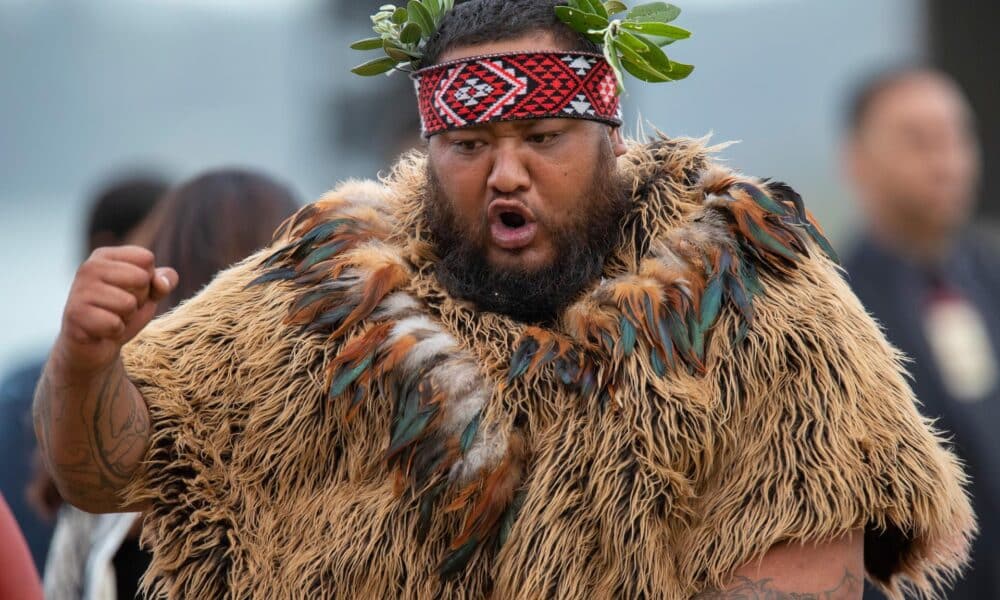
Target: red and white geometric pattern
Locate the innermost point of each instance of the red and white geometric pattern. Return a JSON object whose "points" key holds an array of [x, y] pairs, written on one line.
{"points": [[507, 87]]}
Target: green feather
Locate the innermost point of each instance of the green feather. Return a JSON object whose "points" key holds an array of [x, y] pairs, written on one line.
{"points": [[323, 231], [470, 433], [665, 341], [508, 518], [762, 199], [456, 560], [522, 358], [309, 299], [331, 318], [427, 510], [322, 253], [273, 275], [765, 239], [822, 242], [567, 370], [346, 377], [279, 253], [588, 381], [711, 302], [679, 333], [738, 296], [628, 334], [659, 367], [411, 429]]}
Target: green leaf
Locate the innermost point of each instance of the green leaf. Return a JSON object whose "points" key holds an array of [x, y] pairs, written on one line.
{"points": [[638, 67], [367, 44], [375, 67], [632, 41], [579, 20], [399, 17], [613, 7], [653, 55], [595, 6], [420, 16], [434, 8], [399, 53], [411, 33], [611, 55], [680, 70], [447, 6], [658, 29], [660, 41], [654, 11], [629, 54]]}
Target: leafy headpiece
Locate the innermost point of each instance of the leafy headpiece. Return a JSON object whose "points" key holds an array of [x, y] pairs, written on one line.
{"points": [[528, 85]]}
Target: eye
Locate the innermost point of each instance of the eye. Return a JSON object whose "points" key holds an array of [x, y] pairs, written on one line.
{"points": [[467, 146], [543, 138]]}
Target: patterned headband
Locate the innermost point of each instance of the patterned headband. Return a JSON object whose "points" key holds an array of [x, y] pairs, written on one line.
{"points": [[515, 86]]}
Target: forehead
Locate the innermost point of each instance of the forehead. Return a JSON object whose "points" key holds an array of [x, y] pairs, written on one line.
{"points": [[923, 99], [521, 126], [536, 41]]}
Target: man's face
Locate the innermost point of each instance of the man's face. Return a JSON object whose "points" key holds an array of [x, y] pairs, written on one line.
{"points": [[916, 157], [524, 212]]}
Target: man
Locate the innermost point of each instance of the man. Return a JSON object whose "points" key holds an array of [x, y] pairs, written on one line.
{"points": [[913, 156], [539, 362]]}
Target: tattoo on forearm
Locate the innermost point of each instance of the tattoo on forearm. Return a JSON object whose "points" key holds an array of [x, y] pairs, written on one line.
{"points": [[112, 432], [743, 588]]}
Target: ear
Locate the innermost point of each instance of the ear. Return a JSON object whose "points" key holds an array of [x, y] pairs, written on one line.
{"points": [[618, 141]]}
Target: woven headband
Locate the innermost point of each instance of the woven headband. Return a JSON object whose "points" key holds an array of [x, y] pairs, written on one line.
{"points": [[516, 86]]}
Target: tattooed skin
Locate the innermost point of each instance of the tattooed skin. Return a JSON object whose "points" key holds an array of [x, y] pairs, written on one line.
{"points": [[743, 588], [111, 428]]}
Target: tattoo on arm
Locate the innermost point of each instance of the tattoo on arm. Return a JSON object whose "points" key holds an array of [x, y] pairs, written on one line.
{"points": [[743, 588], [104, 434]]}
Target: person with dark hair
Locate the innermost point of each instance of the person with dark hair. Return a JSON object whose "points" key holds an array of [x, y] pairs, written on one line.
{"points": [[201, 227], [932, 281], [115, 209], [535, 361]]}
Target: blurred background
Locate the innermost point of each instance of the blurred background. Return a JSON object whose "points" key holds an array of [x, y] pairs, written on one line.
{"points": [[91, 90]]}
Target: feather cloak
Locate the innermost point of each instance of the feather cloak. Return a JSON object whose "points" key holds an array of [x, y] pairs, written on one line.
{"points": [[330, 423]]}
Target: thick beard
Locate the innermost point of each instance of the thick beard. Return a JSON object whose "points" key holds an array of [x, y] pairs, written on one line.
{"points": [[538, 295]]}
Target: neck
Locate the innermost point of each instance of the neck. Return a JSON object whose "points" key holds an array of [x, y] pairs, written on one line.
{"points": [[928, 248]]}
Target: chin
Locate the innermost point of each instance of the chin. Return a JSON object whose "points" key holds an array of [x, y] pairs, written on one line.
{"points": [[527, 260]]}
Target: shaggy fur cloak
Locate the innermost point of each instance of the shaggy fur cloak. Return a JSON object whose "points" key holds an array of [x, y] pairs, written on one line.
{"points": [[329, 423]]}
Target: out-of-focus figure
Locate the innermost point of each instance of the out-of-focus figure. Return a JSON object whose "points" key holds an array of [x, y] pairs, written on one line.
{"points": [[116, 209], [19, 578], [933, 283], [200, 228]]}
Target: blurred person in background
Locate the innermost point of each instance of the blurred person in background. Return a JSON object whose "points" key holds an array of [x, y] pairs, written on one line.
{"points": [[114, 211], [929, 279], [201, 227]]}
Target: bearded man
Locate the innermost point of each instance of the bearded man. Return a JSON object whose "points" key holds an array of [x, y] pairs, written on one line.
{"points": [[538, 362]]}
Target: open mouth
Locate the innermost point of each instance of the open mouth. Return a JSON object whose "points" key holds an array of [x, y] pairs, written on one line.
{"points": [[512, 224]]}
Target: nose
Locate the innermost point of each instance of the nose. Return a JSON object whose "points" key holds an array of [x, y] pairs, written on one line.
{"points": [[510, 172]]}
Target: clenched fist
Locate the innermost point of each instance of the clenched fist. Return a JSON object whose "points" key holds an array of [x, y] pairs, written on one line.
{"points": [[113, 297]]}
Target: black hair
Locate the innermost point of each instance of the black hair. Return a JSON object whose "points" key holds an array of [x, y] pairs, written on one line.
{"points": [[119, 206], [871, 87], [481, 21]]}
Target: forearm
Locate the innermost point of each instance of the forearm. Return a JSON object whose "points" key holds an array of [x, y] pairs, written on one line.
{"points": [[93, 431], [849, 587]]}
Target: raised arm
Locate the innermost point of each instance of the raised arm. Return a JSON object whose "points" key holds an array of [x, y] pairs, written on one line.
{"points": [[90, 420]]}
